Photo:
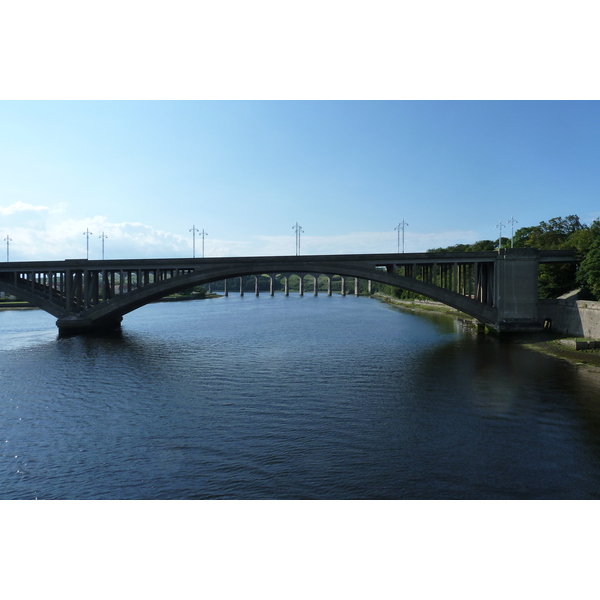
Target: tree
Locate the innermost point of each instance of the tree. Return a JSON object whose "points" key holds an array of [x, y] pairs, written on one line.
{"points": [[588, 274]]}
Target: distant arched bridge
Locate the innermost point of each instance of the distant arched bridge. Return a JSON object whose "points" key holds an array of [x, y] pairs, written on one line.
{"points": [[498, 289]]}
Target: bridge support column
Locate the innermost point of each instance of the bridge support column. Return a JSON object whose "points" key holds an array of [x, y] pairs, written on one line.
{"points": [[329, 285], [316, 280], [77, 325], [241, 286], [256, 285], [225, 287], [356, 291], [271, 286], [370, 286], [286, 285], [516, 287], [343, 286], [301, 285]]}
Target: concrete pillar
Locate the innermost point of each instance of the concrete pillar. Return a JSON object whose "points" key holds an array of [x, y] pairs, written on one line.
{"points": [[329, 285], [225, 287], [356, 291], [301, 285], [316, 280], [286, 285], [343, 286], [516, 288], [370, 287], [241, 286], [271, 287], [256, 285]]}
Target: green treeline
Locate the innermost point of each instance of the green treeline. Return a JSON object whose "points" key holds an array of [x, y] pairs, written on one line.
{"points": [[561, 233]]}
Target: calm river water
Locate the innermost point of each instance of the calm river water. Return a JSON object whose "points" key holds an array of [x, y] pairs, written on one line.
{"points": [[289, 397]]}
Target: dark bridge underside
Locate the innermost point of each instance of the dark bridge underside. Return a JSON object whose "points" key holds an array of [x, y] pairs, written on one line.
{"points": [[82, 294]]}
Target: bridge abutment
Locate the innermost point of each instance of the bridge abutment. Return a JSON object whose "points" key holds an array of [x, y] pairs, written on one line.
{"points": [[516, 282]]}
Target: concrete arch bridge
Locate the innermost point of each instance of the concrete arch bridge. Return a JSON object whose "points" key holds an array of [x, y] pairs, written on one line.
{"points": [[498, 289]]}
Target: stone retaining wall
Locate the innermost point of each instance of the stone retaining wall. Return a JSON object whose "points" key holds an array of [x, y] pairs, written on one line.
{"points": [[578, 318]]}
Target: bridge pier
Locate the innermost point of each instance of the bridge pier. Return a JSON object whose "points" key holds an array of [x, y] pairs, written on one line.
{"points": [[256, 285], [225, 287], [356, 290], [271, 285], [343, 286], [286, 285], [241, 286], [76, 325], [316, 281], [301, 285], [329, 285]]}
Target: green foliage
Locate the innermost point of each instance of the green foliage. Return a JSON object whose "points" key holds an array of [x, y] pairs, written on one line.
{"points": [[480, 246], [560, 233], [556, 234], [588, 274], [196, 291]]}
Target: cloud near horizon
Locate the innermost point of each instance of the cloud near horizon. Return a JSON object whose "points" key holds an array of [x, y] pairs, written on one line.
{"points": [[366, 242], [49, 236]]}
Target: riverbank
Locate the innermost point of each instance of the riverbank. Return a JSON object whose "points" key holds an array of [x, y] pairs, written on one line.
{"points": [[422, 306], [185, 297], [553, 344], [17, 306]]}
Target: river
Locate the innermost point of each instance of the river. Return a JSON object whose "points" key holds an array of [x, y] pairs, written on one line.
{"points": [[289, 398]]}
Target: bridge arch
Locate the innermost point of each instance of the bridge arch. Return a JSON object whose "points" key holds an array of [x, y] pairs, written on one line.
{"points": [[113, 310]]}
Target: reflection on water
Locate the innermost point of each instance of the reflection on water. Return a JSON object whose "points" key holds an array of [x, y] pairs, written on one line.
{"points": [[311, 397]]}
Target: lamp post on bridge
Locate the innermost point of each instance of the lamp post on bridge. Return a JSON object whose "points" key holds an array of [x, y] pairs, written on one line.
{"points": [[193, 230], [87, 233], [7, 239], [500, 226], [299, 231], [401, 227], [103, 238], [512, 230], [203, 233]]}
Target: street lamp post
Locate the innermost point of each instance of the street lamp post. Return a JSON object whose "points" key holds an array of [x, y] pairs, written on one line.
{"points": [[87, 233], [203, 233], [193, 230], [103, 238], [500, 226], [401, 227], [8, 240], [512, 230], [299, 231]]}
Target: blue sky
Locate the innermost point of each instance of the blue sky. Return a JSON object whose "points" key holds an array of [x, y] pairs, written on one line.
{"points": [[145, 172]]}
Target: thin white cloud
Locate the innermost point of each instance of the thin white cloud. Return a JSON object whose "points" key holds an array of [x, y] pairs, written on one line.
{"points": [[19, 206]]}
